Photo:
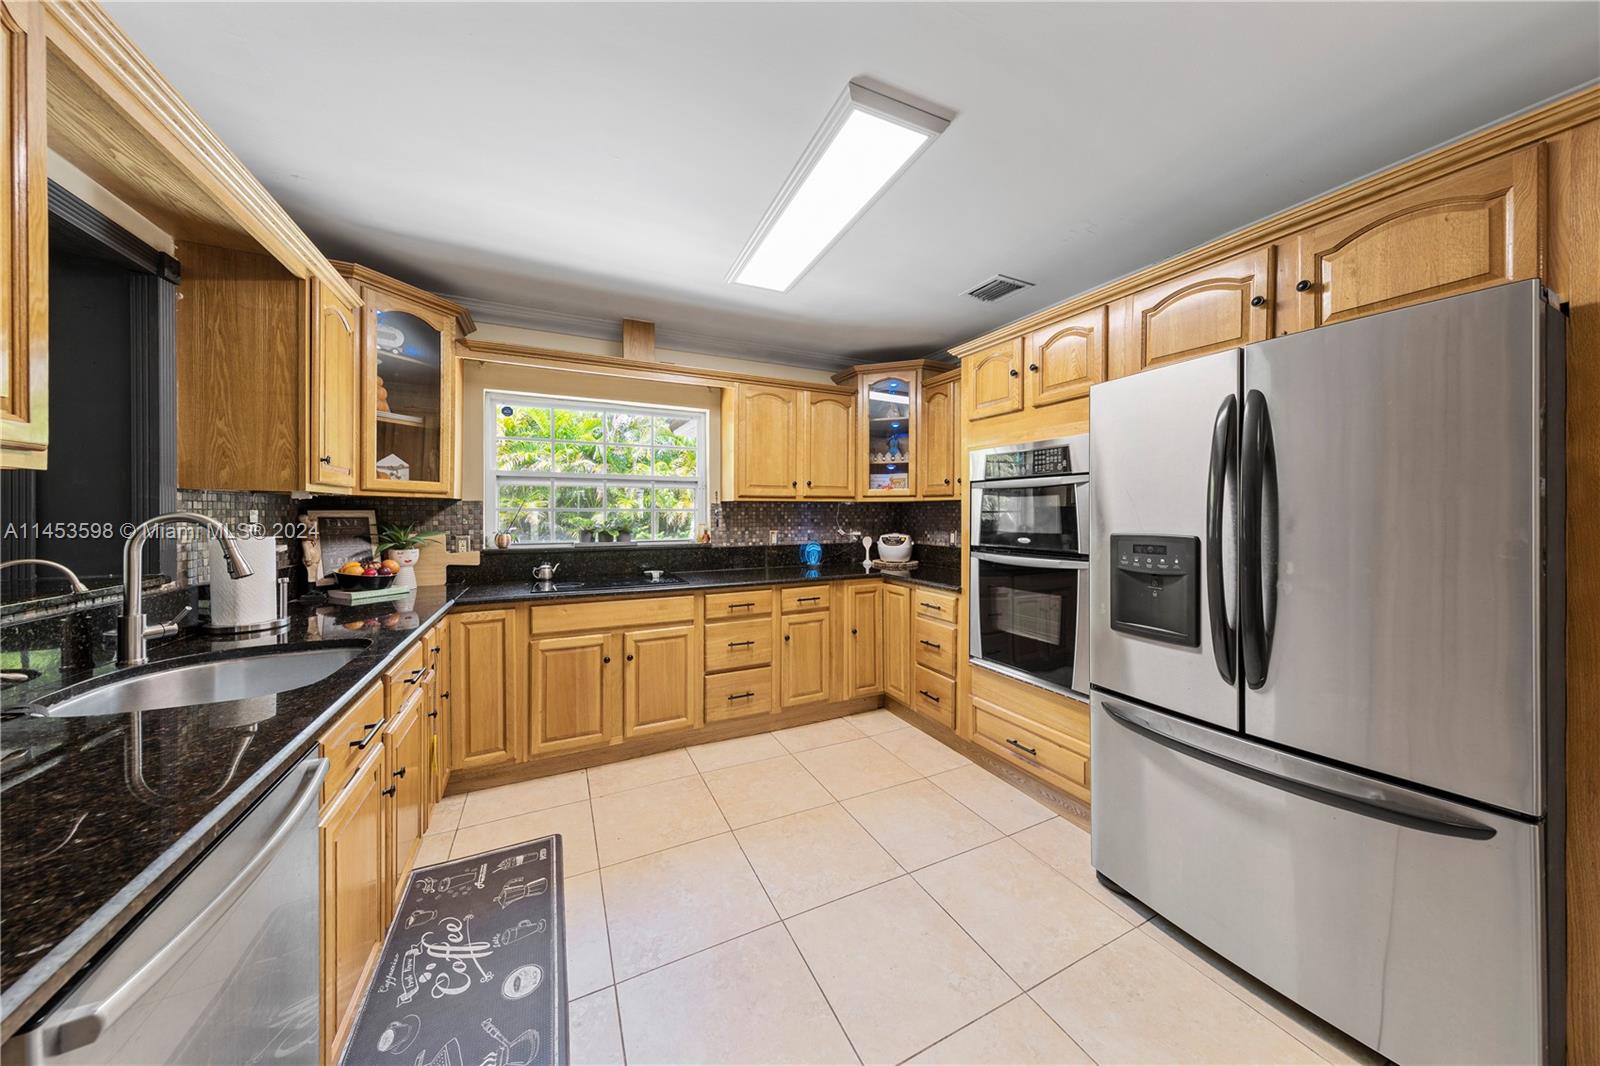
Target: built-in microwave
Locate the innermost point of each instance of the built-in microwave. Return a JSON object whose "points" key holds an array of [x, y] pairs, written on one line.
{"points": [[1032, 497]]}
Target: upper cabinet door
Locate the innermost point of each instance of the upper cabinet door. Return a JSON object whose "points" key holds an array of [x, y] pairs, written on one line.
{"points": [[24, 241], [991, 380], [335, 392], [937, 471], [1475, 228], [409, 398], [827, 452], [1065, 358], [1224, 305], [764, 442], [889, 432]]}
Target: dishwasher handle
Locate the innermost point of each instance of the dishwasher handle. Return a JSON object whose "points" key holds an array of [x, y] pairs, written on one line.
{"points": [[81, 1027]]}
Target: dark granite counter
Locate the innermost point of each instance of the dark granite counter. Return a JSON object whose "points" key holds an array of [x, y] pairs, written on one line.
{"points": [[102, 813], [947, 578]]}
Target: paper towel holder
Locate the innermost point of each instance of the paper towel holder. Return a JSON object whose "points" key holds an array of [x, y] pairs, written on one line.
{"points": [[276, 625]]}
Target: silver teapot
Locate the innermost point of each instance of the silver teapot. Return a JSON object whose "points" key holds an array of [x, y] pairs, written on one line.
{"points": [[546, 571]]}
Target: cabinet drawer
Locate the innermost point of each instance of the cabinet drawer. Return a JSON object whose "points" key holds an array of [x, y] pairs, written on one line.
{"points": [[935, 645], [740, 694], [805, 598], [404, 677], [611, 614], [746, 603], [1046, 710], [736, 645], [944, 606], [350, 738], [1017, 739], [935, 696]]}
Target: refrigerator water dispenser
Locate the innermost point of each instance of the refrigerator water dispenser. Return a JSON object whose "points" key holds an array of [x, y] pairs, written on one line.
{"points": [[1155, 587]]}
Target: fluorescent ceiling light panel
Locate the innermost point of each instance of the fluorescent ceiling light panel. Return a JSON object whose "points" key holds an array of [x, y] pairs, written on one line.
{"points": [[866, 142]]}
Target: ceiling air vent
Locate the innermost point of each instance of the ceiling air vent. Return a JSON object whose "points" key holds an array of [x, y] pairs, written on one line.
{"points": [[999, 285]]}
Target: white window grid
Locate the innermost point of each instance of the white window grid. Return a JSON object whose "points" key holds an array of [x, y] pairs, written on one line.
{"points": [[554, 481]]}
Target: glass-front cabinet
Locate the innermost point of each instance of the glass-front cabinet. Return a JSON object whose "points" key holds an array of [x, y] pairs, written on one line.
{"points": [[408, 391], [890, 416]]}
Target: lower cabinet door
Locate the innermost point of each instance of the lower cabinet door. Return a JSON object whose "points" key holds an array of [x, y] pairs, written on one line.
{"points": [[803, 671], [575, 682], [897, 642], [864, 641], [355, 893], [486, 721], [405, 788], [661, 687]]}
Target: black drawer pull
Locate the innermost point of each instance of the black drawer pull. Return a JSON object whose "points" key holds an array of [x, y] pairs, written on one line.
{"points": [[808, 599], [741, 643], [412, 680], [1015, 743], [391, 790], [741, 696], [399, 773], [372, 731], [932, 606], [930, 695], [931, 644], [436, 651], [737, 606]]}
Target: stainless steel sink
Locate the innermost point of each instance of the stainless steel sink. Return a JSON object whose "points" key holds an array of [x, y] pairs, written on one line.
{"points": [[259, 674]]}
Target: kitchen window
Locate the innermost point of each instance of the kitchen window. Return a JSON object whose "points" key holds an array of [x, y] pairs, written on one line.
{"points": [[560, 469]]}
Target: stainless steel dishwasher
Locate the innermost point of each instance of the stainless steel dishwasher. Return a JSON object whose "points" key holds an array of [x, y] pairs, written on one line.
{"points": [[222, 969]]}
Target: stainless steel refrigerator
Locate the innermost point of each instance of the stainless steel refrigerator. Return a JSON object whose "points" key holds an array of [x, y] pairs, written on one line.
{"points": [[1326, 647]]}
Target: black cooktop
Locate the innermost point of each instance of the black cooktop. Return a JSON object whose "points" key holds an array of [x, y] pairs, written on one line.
{"points": [[625, 581]]}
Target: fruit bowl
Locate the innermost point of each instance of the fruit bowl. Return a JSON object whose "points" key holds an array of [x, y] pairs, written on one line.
{"points": [[363, 581]]}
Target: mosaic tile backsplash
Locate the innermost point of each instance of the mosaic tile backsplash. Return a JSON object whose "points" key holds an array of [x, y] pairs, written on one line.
{"points": [[925, 521]]}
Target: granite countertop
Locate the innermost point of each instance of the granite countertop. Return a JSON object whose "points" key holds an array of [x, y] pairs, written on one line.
{"points": [[103, 812], [947, 578]]}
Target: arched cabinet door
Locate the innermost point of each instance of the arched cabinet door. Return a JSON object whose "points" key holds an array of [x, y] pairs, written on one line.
{"points": [[1472, 229], [766, 420], [991, 380], [1224, 305], [1065, 358], [827, 453]]}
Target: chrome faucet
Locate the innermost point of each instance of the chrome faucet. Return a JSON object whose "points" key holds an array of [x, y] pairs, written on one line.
{"points": [[77, 586], [133, 632]]}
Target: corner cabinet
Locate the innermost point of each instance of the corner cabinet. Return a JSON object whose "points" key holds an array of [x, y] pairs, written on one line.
{"points": [[937, 472], [335, 392], [24, 242]]}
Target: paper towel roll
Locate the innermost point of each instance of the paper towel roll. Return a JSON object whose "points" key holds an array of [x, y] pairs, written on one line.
{"points": [[248, 601]]}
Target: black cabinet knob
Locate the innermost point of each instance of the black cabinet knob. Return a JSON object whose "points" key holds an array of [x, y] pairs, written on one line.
{"points": [[326, 460], [605, 659], [1302, 286], [947, 481], [808, 484], [391, 790], [855, 632], [630, 658], [794, 484], [1257, 301], [400, 772], [786, 638], [1033, 367], [1014, 372]]}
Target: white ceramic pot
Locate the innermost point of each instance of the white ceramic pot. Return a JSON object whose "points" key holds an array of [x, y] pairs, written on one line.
{"points": [[407, 558], [894, 547]]}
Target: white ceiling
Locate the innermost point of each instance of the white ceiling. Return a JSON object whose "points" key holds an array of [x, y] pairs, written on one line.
{"points": [[566, 165]]}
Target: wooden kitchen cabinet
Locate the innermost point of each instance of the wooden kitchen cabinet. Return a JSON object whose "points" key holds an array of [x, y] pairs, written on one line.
{"points": [[759, 426], [805, 658], [405, 789], [937, 472], [991, 380], [1064, 358], [437, 720], [897, 642], [828, 426], [24, 242], [863, 623], [661, 682], [890, 431], [356, 897], [335, 392], [576, 682], [1477, 227], [486, 717], [1223, 305]]}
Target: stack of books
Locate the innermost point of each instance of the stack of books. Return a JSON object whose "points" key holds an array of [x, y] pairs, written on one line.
{"points": [[360, 596]]}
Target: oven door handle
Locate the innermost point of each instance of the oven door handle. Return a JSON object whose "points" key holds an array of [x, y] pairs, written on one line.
{"points": [[1032, 482], [1032, 562]]}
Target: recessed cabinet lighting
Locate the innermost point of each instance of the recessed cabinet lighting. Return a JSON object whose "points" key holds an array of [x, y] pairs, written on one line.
{"points": [[867, 140]]}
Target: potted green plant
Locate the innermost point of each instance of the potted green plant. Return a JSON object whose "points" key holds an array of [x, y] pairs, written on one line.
{"points": [[586, 527], [621, 529], [402, 545]]}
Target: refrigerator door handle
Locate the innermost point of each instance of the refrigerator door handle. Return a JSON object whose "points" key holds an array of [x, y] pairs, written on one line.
{"points": [[1258, 564], [1302, 777], [1224, 439]]}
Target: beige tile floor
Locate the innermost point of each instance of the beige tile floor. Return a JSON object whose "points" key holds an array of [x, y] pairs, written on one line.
{"points": [[855, 891]]}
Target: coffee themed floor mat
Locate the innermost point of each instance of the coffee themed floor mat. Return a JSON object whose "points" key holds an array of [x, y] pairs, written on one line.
{"points": [[473, 971]]}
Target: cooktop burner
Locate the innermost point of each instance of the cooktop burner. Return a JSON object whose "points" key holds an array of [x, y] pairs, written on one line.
{"points": [[627, 581]]}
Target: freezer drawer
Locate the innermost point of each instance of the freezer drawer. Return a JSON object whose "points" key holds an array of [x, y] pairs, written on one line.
{"points": [[1412, 924]]}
